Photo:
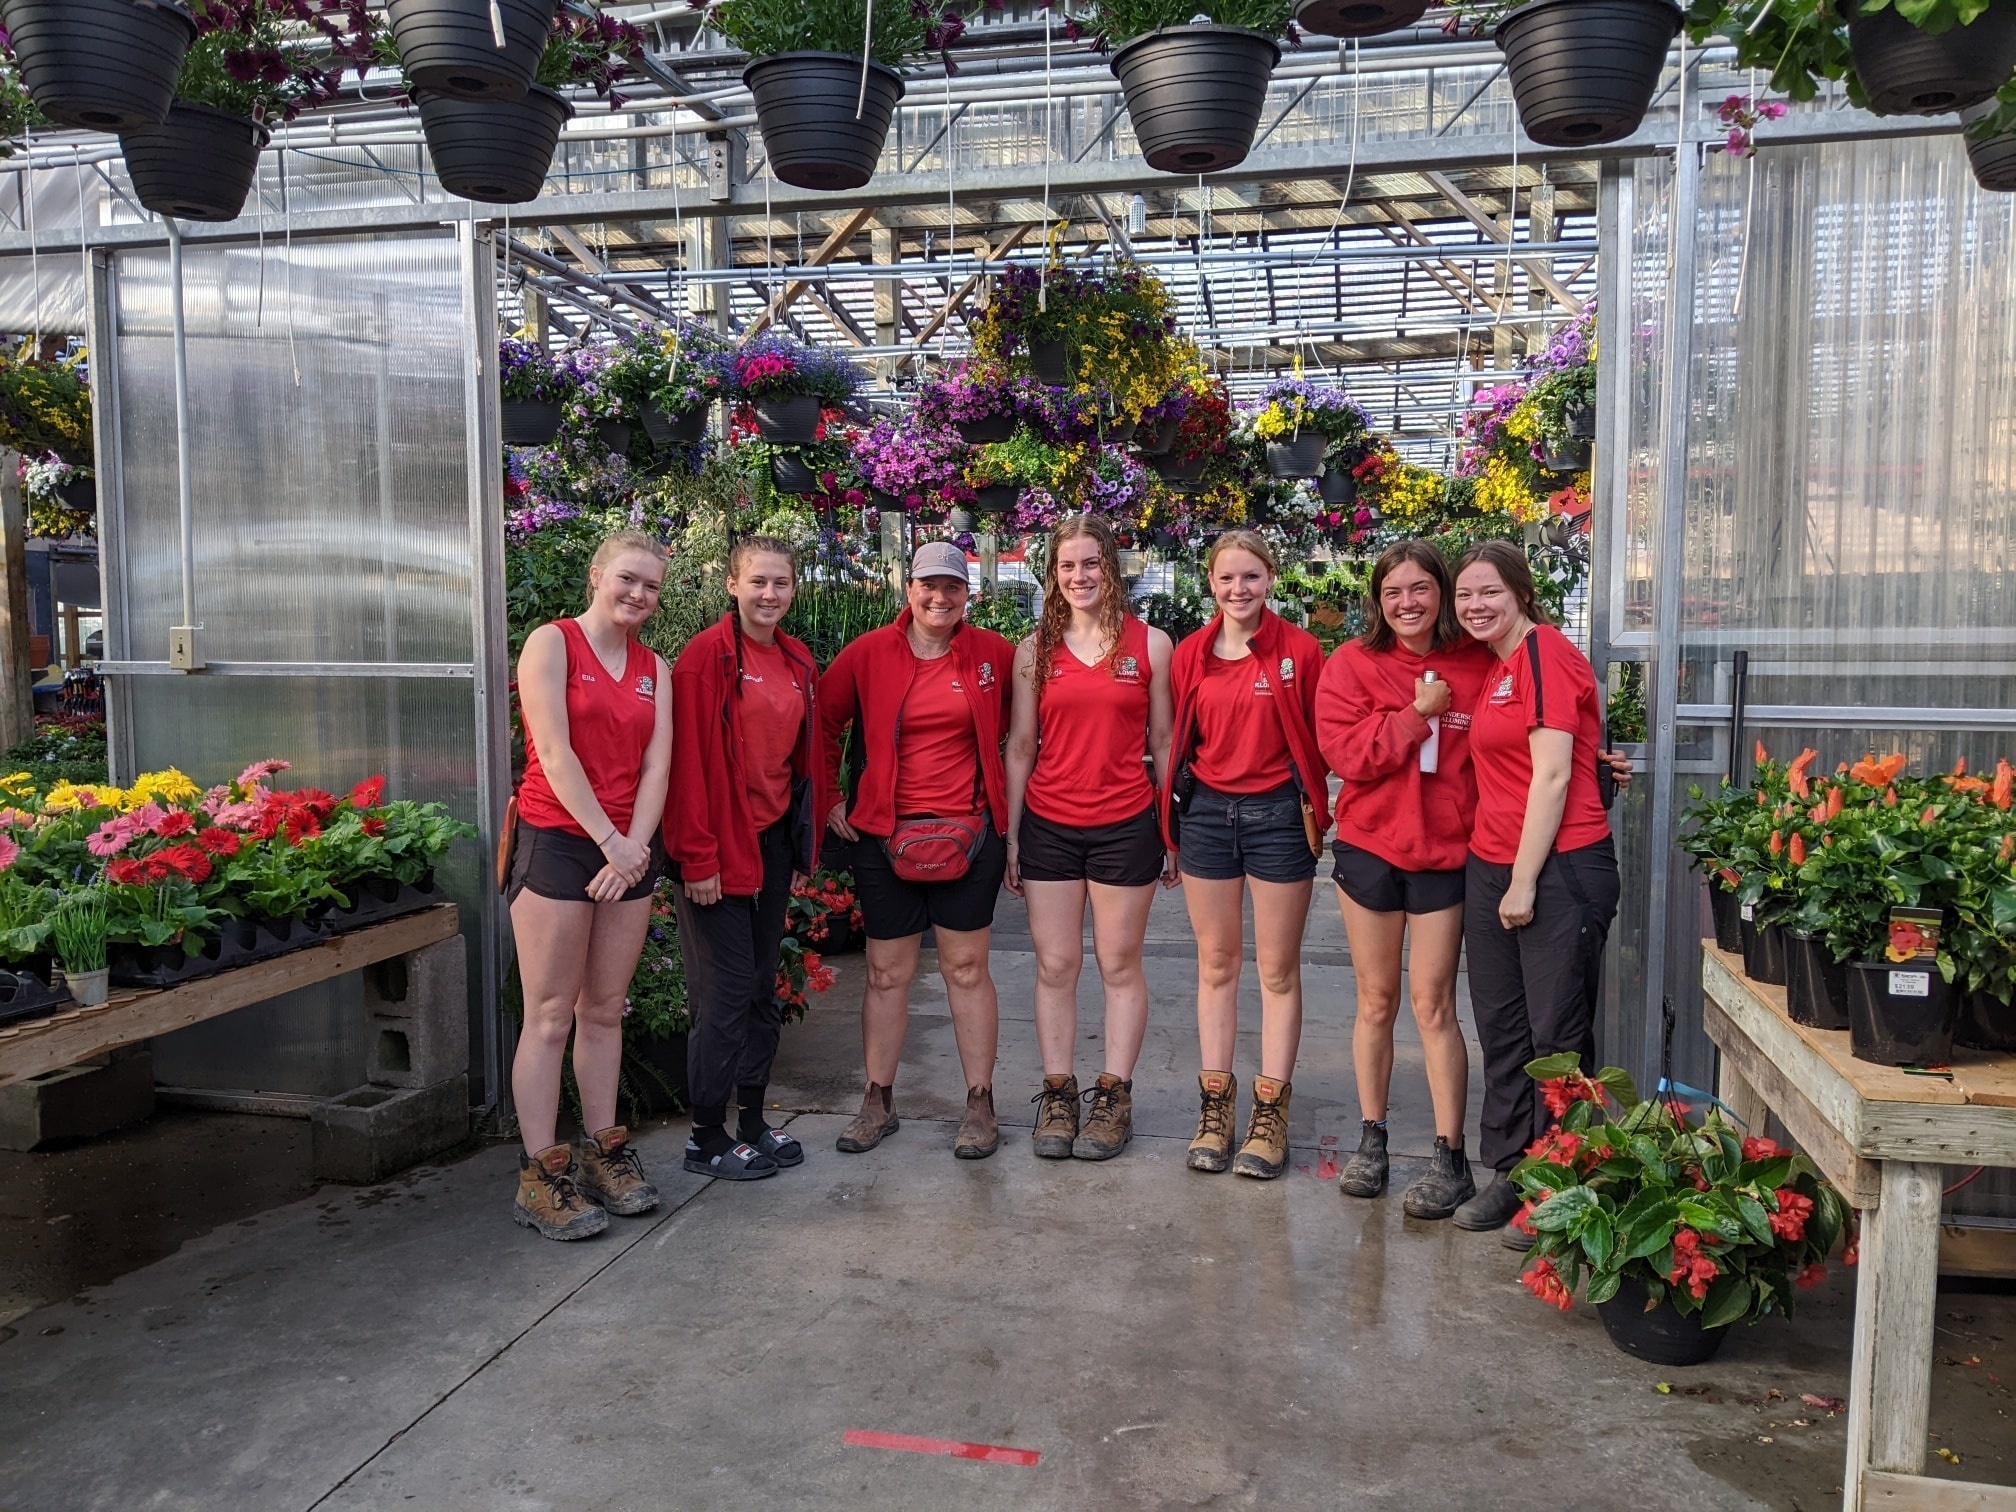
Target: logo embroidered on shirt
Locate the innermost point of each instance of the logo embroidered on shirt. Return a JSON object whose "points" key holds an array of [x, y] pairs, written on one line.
{"points": [[1127, 666], [986, 675], [646, 688], [1455, 721], [1261, 685], [1287, 670], [1503, 691]]}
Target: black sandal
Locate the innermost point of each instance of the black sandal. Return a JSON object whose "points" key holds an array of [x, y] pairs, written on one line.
{"points": [[780, 1147], [738, 1162]]}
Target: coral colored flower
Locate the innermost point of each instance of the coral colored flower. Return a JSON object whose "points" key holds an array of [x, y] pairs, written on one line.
{"points": [[1544, 1282], [1558, 1147], [1731, 878], [1761, 754], [1876, 773], [125, 872], [219, 842], [2003, 791], [1795, 774], [1519, 1219], [1691, 1268], [1835, 800], [1852, 1253], [1960, 766], [1789, 1222], [1797, 849], [1563, 1092], [1931, 813], [10, 851], [368, 793], [1777, 843], [174, 822], [1890, 798], [260, 769], [2008, 848], [1756, 1147], [1810, 1275]]}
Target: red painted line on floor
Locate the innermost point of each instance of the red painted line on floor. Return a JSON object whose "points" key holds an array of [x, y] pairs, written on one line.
{"points": [[993, 1454]]}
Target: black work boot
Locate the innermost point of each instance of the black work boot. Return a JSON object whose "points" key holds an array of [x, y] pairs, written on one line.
{"points": [[1491, 1208], [1365, 1172], [1445, 1186]]}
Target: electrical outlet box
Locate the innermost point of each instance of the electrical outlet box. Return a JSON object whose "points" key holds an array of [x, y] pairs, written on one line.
{"points": [[724, 164], [182, 652]]}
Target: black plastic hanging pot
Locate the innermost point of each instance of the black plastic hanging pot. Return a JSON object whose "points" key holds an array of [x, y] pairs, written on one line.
{"points": [[1154, 443], [787, 419], [1566, 454], [1195, 94], [1583, 71], [962, 518], [496, 152], [615, 435], [1171, 470], [529, 422], [790, 473], [1358, 18], [198, 165], [1816, 985], [1763, 952], [1906, 71], [1987, 1023], [987, 428], [1901, 1015], [79, 495], [666, 429], [1120, 432], [104, 65], [1051, 362], [1581, 420], [1337, 487], [1662, 1336], [1993, 159], [1299, 457], [449, 47], [806, 105], [1728, 916], [997, 498]]}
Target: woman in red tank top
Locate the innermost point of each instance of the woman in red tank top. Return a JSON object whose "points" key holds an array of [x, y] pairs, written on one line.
{"points": [[585, 857], [1091, 708]]}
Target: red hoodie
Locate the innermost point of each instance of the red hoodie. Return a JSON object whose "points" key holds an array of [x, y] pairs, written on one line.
{"points": [[1371, 736], [708, 828], [1281, 648], [866, 686]]}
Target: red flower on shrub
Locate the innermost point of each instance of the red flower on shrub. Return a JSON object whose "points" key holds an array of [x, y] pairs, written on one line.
{"points": [[1558, 1147], [1519, 1218], [1758, 1148], [1809, 1276], [1563, 1092], [1835, 801], [219, 842], [2002, 792], [125, 872], [1878, 773], [1777, 843], [1789, 1222], [1544, 1281], [1797, 849], [1691, 1268], [373, 828], [174, 822], [185, 860], [1795, 774], [368, 793]]}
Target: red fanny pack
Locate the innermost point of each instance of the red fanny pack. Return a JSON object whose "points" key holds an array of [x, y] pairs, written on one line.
{"points": [[935, 850]]}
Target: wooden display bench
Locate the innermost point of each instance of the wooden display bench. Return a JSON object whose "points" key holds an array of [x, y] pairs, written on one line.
{"points": [[1883, 1137], [77, 1034]]}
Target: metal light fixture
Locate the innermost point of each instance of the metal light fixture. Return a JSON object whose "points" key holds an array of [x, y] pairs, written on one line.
{"points": [[1137, 216]]}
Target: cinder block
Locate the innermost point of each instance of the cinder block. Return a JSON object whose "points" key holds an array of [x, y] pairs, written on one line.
{"points": [[417, 1007], [370, 1132], [78, 1102]]}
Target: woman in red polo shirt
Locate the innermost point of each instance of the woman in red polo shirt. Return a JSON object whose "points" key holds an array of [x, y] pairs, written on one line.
{"points": [[928, 701], [740, 831], [1245, 802], [584, 859], [1541, 883], [1091, 710]]}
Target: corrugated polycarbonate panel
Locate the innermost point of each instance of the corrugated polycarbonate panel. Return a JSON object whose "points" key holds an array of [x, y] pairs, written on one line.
{"points": [[332, 514]]}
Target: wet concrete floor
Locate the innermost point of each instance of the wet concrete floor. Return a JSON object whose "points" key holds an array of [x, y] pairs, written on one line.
{"points": [[1127, 1335]]}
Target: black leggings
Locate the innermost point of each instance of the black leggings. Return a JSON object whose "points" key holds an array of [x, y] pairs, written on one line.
{"points": [[731, 951], [1534, 989]]}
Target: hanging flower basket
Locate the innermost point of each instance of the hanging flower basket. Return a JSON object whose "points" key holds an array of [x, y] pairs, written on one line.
{"points": [[104, 65], [1120, 432], [1337, 487], [1195, 94], [615, 435], [791, 474], [496, 152], [996, 498], [1050, 361], [1663, 1336], [1154, 443], [1174, 471], [529, 422], [1581, 420], [198, 165], [1901, 1015], [1298, 457], [1583, 71], [448, 46], [1358, 18], [1993, 159], [990, 428], [1566, 454], [667, 429], [787, 419], [1908, 71], [79, 494], [806, 108]]}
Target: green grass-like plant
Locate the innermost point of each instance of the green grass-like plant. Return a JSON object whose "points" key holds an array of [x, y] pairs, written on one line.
{"points": [[1123, 20], [765, 28], [79, 929]]}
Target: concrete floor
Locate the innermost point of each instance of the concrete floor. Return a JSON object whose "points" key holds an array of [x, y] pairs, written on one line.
{"points": [[1154, 1338]]}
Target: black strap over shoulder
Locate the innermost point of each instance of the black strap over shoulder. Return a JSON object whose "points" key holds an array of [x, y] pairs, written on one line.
{"points": [[1533, 660]]}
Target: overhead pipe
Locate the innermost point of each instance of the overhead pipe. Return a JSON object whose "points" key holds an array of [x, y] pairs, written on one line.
{"points": [[183, 652]]}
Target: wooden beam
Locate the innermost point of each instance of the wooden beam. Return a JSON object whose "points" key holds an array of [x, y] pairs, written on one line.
{"points": [[1008, 244], [1484, 221], [835, 243]]}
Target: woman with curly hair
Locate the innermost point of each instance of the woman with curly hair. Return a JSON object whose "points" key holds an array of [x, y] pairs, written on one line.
{"points": [[1091, 724]]}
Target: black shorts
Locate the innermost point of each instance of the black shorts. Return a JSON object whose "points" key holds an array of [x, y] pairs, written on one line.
{"points": [[1224, 836], [1374, 882], [892, 909], [1127, 854], [559, 864]]}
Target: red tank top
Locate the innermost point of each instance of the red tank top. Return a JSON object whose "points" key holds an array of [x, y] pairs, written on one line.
{"points": [[1093, 727], [609, 725]]}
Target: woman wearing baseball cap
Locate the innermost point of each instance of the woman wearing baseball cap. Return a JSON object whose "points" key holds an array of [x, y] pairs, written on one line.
{"points": [[927, 698]]}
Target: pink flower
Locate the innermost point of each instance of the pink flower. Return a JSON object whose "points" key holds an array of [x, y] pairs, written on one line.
{"points": [[259, 769], [146, 816], [10, 852], [214, 800], [110, 838]]}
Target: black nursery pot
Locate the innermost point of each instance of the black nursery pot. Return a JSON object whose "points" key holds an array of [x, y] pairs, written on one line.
{"points": [[1358, 18], [791, 475], [1568, 454], [1337, 487], [1154, 443], [1583, 71], [1662, 1336], [1911, 72], [1901, 1015], [1986, 1023], [496, 152], [987, 428], [80, 494], [1195, 94], [1993, 160], [198, 165], [529, 422], [1051, 362], [997, 498], [1816, 985], [448, 45], [1764, 953], [806, 108], [1728, 916], [660, 1084], [614, 435], [1169, 470], [104, 65], [1300, 457], [788, 419], [666, 429]]}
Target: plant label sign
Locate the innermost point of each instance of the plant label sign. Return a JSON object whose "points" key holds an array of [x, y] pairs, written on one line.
{"points": [[1914, 934], [1911, 984], [1749, 913]]}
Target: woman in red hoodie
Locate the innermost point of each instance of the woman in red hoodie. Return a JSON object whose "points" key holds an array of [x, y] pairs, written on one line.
{"points": [[1245, 797], [928, 700], [739, 829]]}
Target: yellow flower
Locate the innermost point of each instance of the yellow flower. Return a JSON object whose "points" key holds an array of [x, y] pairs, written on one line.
{"points": [[20, 785], [67, 797], [1502, 490], [1523, 423], [169, 786]]}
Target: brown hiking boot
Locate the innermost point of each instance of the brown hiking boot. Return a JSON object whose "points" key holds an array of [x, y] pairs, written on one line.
{"points": [[548, 1200], [1265, 1153], [1211, 1150], [874, 1123], [1110, 1124], [979, 1134], [1057, 1119], [611, 1176]]}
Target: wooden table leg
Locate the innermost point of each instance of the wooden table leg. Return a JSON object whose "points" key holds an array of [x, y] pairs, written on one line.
{"points": [[1896, 1285], [1744, 1102]]}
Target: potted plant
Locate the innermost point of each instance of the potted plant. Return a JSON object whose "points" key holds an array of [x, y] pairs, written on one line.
{"points": [[1299, 422], [823, 107], [787, 385], [253, 62], [1582, 71], [1195, 73], [103, 65], [1983, 942], [692, 374], [979, 400], [1203, 432], [1991, 145], [1358, 18], [79, 929], [911, 464], [452, 47], [1104, 328], [531, 389], [656, 1017]]}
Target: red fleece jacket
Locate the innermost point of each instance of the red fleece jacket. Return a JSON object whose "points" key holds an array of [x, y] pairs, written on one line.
{"points": [[866, 686], [1297, 658], [708, 826]]}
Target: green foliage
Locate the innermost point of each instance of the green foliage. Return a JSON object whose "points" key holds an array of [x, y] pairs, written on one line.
{"points": [[657, 1007], [1122, 20], [18, 113], [1185, 609], [765, 28], [1557, 393], [45, 406], [1625, 712], [1003, 613], [27, 909], [827, 616], [79, 929], [60, 752], [1024, 460]]}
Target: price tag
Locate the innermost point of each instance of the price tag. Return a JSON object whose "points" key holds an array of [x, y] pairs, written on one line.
{"points": [[1910, 984], [1749, 913]]}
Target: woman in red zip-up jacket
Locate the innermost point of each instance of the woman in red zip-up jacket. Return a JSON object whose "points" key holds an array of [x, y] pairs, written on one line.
{"points": [[1245, 801], [739, 828], [1392, 717], [928, 700]]}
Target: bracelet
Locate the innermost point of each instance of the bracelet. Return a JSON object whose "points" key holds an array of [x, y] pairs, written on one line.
{"points": [[606, 838]]}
